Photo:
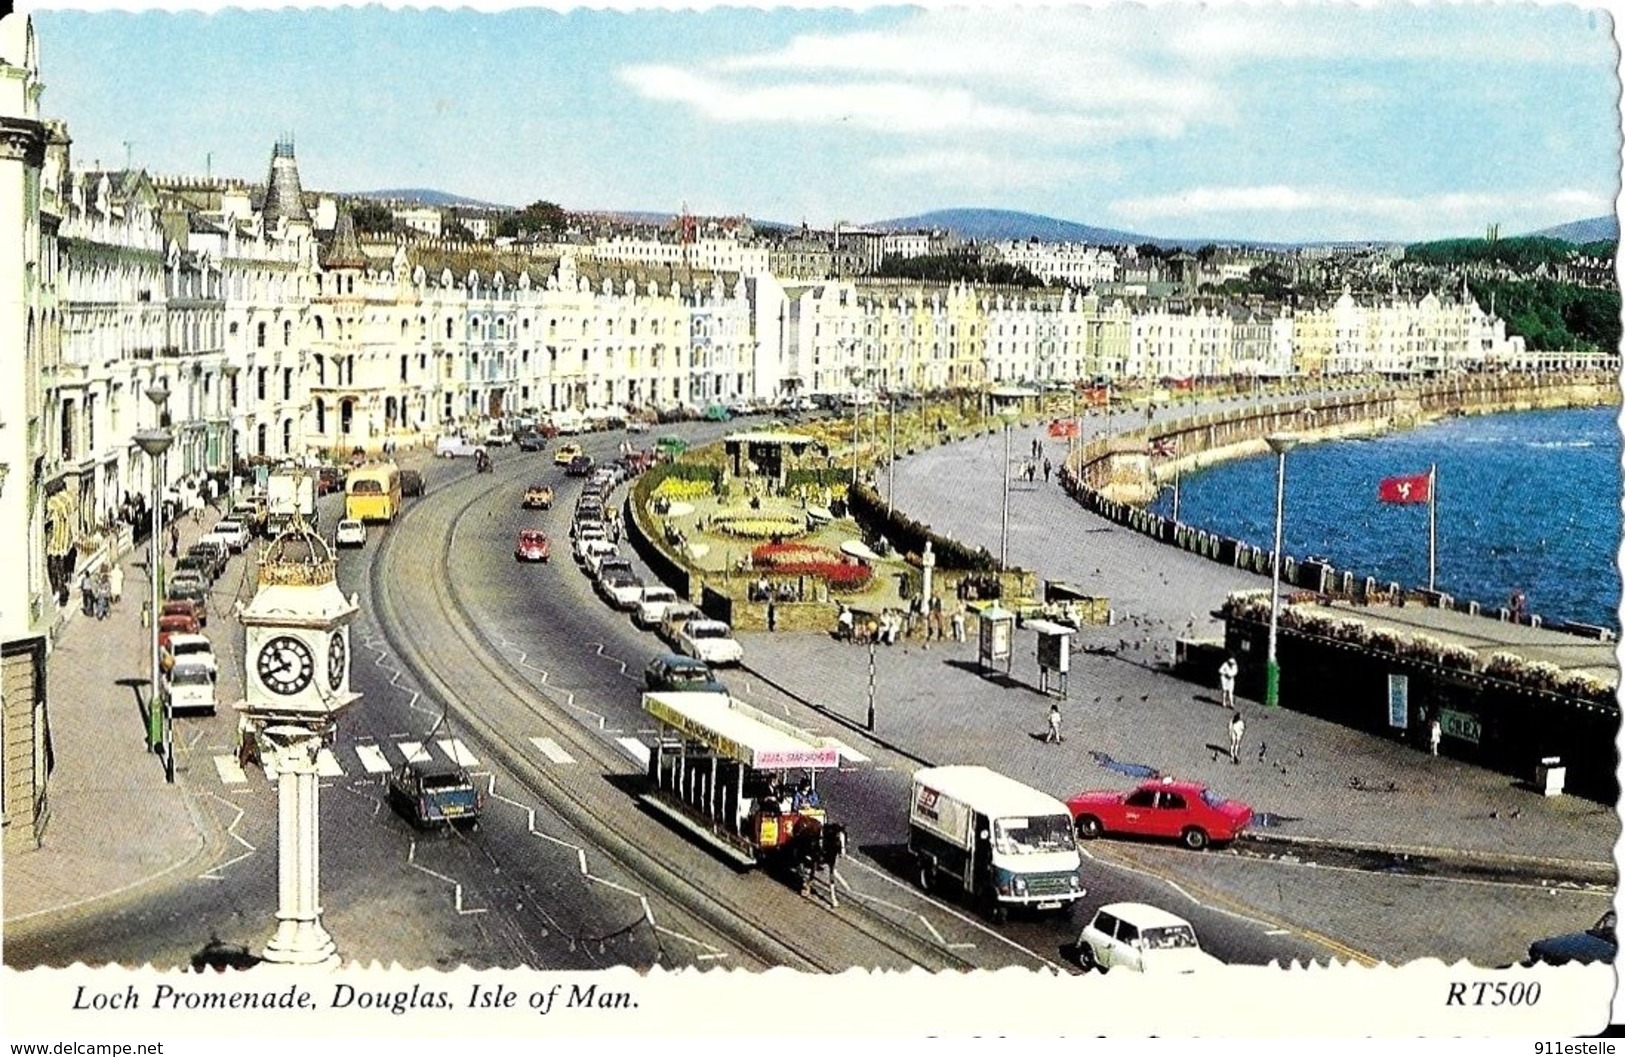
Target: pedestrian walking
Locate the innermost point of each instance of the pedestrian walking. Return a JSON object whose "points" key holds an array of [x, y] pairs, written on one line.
{"points": [[1227, 682], [1054, 735], [936, 618], [100, 594], [174, 540], [1435, 732], [1047, 469], [772, 615], [959, 622], [115, 583], [1238, 727], [87, 600]]}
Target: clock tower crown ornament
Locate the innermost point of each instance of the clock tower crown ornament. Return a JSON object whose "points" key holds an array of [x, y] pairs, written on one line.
{"points": [[298, 633]]}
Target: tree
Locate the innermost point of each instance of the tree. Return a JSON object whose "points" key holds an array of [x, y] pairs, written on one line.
{"points": [[374, 218], [537, 217]]}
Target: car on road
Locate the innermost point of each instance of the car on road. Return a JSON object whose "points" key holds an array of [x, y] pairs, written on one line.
{"points": [[652, 605], [176, 624], [677, 614], [597, 554], [675, 671], [580, 466], [1599, 943], [592, 548], [188, 583], [565, 453], [538, 497], [611, 563], [1143, 939], [532, 546], [190, 688], [181, 648], [1185, 811], [411, 483], [435, 792], [189, 607], [532, 442], [214, 551], [711, 641], [497, 437], [350, 533], [235, 533], [621, 588], [329, 479], [201, 565]]}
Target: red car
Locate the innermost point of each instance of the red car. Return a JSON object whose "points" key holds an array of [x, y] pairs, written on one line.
{"points": [[1185, 811], [532, 547], [176, 624]]}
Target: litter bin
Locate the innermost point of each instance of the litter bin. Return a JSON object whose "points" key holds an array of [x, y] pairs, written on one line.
{"points": [[1550, 776]]}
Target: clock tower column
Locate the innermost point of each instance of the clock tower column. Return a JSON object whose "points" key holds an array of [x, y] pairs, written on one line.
{"points": [[297, 631]]}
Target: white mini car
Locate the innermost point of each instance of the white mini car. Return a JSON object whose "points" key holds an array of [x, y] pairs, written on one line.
{"points": [[350, 533], [652, 606], [1143, 939], [234, 533], [190, 649], [711, 641]]}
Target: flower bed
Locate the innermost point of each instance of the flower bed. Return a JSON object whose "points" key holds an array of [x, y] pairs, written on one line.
{"points": [[677, 488], [802, 559], [758, 526]]}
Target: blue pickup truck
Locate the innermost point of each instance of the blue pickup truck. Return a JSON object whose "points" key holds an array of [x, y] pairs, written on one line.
{"points": [[431, 793]]}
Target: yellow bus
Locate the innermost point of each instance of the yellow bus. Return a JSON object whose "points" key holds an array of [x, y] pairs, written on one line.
{"points": [[373, 492]]}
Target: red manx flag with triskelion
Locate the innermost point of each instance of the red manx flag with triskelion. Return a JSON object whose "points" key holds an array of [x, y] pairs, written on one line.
{"points": [[1412, 489]]}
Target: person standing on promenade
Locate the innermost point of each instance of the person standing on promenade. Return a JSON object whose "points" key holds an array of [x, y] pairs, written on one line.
{"points": [[936, 619], [1227, 682], [959, 622], [115, 583], [102, 593], [1238, 727], [87, 600], [1435, 731], [1054, 735]]}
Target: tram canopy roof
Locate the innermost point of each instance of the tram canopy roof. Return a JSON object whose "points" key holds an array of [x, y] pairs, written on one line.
{"points": [[740, 732]]}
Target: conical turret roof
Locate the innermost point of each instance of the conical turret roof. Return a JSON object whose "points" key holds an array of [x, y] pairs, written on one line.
{"points": [[284, 198], [345, 249]]}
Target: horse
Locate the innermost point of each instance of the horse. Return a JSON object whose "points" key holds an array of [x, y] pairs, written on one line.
{"points": [[816, 844]]}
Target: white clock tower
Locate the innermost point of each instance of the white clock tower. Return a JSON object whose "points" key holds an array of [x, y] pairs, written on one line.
{"points": [[297, 629]]}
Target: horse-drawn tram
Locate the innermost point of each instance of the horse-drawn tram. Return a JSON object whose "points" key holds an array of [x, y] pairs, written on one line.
{"points": [[741, 780]]}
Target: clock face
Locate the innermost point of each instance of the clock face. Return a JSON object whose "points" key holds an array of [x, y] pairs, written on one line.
{"points": [[335, 661], [285, 665]]}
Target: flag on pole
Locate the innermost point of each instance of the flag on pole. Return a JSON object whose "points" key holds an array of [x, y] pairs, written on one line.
{"points": [[1416, 488]]}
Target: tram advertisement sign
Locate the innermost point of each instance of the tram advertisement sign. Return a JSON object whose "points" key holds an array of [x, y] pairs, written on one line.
{"points": [[727, 746], [778, 759]]}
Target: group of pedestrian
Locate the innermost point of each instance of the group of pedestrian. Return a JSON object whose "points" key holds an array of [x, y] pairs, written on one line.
{"points": [[98, 592]]}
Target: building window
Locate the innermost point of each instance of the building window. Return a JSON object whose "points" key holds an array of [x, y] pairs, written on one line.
{"points": [[259, 378], [287, 332], [259, 336], [287, 383], [404, 361]]}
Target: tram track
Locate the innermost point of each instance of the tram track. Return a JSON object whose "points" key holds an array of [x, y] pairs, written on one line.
{"points": [[433, 632]]}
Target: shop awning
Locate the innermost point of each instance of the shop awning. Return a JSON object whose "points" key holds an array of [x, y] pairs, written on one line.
{"points": [[59, 515]]}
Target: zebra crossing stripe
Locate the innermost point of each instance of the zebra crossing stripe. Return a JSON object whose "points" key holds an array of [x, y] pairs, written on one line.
{"points": [[372, 758], [459, 753], [847, 752], [414, 751], [635, 749], [552, 750], [327, 765], [231, 772]]}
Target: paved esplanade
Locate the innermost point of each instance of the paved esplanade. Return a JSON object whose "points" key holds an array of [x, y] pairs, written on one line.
{"points": [[933, 704]]}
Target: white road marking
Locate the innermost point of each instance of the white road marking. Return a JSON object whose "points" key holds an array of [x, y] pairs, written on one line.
{"points": [[231, 772], [459, 753], [847, 752], [414, 751], [372, 758], [635, 749], [1277, 932], [327, 765], [552, 750], [213, 874]]}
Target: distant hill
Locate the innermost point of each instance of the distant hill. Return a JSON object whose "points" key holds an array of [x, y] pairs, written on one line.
{"points": [[996, 224], [1579, 232], [428, 197]]}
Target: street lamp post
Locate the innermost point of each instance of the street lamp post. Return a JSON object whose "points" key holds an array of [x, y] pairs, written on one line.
{"points": [[155, 442], [891, 455], [1280, 444], [1008, 414]]}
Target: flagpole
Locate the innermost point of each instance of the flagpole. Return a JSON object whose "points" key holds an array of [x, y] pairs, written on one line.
{"points": [[1433, 523]]}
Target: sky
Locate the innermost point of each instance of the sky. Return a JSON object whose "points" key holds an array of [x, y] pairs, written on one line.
{"points": [[1260, 122]]}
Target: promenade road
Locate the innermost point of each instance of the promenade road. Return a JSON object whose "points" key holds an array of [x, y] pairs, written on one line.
{"points": [[1123, 705]]}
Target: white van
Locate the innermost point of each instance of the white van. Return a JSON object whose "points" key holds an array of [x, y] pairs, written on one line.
{"points": [[1000, 842], [189, 688], [456, 446]]}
